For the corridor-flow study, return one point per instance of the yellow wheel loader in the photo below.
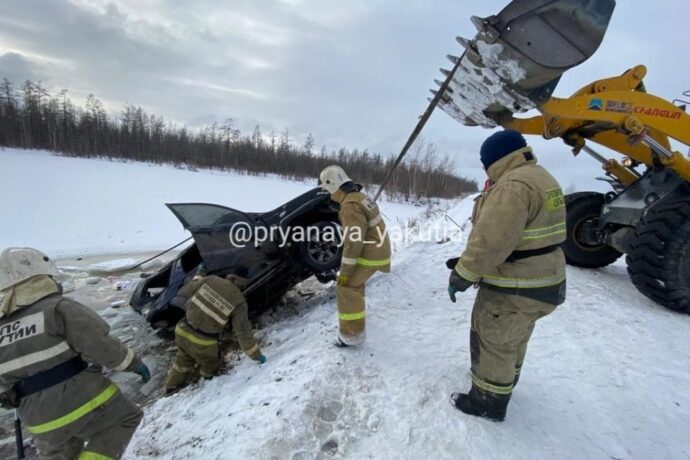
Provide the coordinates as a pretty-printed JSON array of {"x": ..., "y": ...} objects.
[{"x": 513, "y": 65}]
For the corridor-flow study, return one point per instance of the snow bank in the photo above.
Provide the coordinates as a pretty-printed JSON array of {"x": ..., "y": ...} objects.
[
  {"x": 77, "y": 207},
  {"x": 605, "y": 377}
]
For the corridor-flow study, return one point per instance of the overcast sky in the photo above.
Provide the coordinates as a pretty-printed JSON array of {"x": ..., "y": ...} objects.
[{"x": 355, "y": 73}]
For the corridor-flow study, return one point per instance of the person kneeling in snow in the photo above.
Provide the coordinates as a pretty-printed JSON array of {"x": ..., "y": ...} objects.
[{"x": 210, "y": 303}]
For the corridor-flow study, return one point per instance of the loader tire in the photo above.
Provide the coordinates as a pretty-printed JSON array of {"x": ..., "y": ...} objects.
[
  {"x": 582, "y": 210},
  {"x": 659, "y": 258}
]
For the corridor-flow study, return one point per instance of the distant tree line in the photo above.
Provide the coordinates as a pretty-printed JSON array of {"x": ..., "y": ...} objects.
[{"x": 33, "y": 118}]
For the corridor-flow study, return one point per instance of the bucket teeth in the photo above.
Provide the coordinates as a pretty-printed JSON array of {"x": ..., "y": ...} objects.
[
  {"x": 464, "y": 42},
  {"x": 479, "y": 23},
  {"x": 445, "y": 98},
  {"x": 440, "y": 83},
  {"x": 500, "y": 71}
]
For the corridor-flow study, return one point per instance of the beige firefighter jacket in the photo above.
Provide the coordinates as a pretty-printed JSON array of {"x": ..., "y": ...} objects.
[
  {"x": 212, "y": 303},
  {"x": 47, "y": 333},
  {"x": 523, "y": 210},
  {"x": 365, "y": 239}
]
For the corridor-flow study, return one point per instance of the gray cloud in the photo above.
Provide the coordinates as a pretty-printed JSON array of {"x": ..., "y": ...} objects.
[
  {"x": 17, "y": 67},
  {"x": 352, "y": 73}
]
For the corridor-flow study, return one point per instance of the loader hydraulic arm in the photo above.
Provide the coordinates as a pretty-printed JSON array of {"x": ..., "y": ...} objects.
[
  {"x": 619, "y": 114},
  {"x": 513, "y": 66}
]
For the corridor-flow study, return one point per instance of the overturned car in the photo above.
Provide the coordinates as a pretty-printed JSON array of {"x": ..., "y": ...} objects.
[{"x": 279, "y": 248}]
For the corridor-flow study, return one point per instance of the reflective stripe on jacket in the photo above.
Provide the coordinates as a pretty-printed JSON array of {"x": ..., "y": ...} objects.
[
  {"x": 213, "y": 302},
  {"x": 48, "y": 333},
  {"x": 524, "y": 210},
  {"x": 365, "y": 238}
]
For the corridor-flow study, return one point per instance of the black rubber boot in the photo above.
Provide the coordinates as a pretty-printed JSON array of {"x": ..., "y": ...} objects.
[
  {"x": 462, "y": 402},
  {"x": 482, "y": 404},
  {"x": 340, "y": 344}
]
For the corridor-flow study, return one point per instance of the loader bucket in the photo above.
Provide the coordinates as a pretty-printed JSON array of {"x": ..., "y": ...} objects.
[{"x": 517, "y": 57}]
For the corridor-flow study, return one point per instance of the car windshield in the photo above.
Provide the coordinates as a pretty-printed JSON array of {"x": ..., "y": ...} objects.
[{"x": 202, "y": 214}]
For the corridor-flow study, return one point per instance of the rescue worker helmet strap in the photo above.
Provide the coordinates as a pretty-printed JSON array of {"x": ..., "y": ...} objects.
[
  {"x": 19, "y": 264},
  {"x": 332, "y": 177}
]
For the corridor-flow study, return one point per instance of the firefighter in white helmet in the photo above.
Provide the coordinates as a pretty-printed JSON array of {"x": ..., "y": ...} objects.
[
  {"x": 52, "y": 351},
  {"x": 366, "y": 250}
]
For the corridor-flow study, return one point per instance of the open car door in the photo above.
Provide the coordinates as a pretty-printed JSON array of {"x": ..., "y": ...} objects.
[{"x": 224, "y": 237}]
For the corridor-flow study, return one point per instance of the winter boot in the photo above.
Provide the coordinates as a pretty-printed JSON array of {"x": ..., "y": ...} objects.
[
  {"x": 339, "y": 343},
  {"x": 482, "y": 404},
  {"x": 171, "y": 391},
  {"x": 346, "y": 341}
]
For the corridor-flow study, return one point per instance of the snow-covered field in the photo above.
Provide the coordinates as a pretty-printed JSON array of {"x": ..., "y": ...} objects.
[
  {"x": 76, "y": 207},
  {"x": 606, "y": 375}
]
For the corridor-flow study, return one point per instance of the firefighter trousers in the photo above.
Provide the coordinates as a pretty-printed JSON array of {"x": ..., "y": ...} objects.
[
  {"x": 351, "y": 306},
  {"x": 502, "y": 325},
  {"x": 102, "y": 434},
  {"x": 194, "y": 351}
]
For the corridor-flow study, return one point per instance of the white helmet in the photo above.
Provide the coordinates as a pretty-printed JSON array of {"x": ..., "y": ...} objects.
[
  {"x": 20, "y": 264},
  {"x": 332, "y": 177}
]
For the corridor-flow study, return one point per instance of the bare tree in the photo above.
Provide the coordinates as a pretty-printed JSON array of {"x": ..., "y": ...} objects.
[{"x": 32, "y": 118}]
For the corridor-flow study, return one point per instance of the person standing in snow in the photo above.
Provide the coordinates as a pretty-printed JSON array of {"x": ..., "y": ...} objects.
[
  {"x": 52, "y": 351},
  {"x": 366, "y": 250},
  {"x": 513, "y": 254},
  {"x": 210, "y": 303}
]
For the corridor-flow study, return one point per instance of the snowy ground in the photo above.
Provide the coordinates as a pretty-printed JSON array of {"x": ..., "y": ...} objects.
[
  {"x": 606, "y": 375},
  {"x": 606, "y": 378}
]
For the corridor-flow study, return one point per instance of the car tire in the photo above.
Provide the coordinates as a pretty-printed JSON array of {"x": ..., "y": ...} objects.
[
  {"x": 140, "y": 297},
  {"x": 321, "y": 250}
]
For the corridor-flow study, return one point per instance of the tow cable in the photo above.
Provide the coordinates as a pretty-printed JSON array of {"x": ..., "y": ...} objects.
[{"x": 134, "y": 267}]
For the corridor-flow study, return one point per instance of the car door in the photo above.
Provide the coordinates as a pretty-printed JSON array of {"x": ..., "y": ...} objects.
[{"x": 224, "y": 236}]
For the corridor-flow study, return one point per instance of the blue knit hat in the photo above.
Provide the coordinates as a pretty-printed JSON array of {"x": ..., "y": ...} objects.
[{"x": 499, "y": 145}]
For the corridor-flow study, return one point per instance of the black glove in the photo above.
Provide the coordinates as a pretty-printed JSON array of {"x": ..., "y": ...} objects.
[{"x": 457, "y": 283}]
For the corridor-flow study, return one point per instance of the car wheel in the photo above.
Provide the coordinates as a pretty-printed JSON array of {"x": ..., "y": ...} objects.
[{"x": 321, "y": 250}]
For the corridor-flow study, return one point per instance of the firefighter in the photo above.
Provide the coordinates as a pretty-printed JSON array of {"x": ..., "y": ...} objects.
[
  {"x": 514, "y": 256},
  {"x": 366, "y": 250},
  {"x": 210, "y": 303},
  {"x": 52, "y": 351}
]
